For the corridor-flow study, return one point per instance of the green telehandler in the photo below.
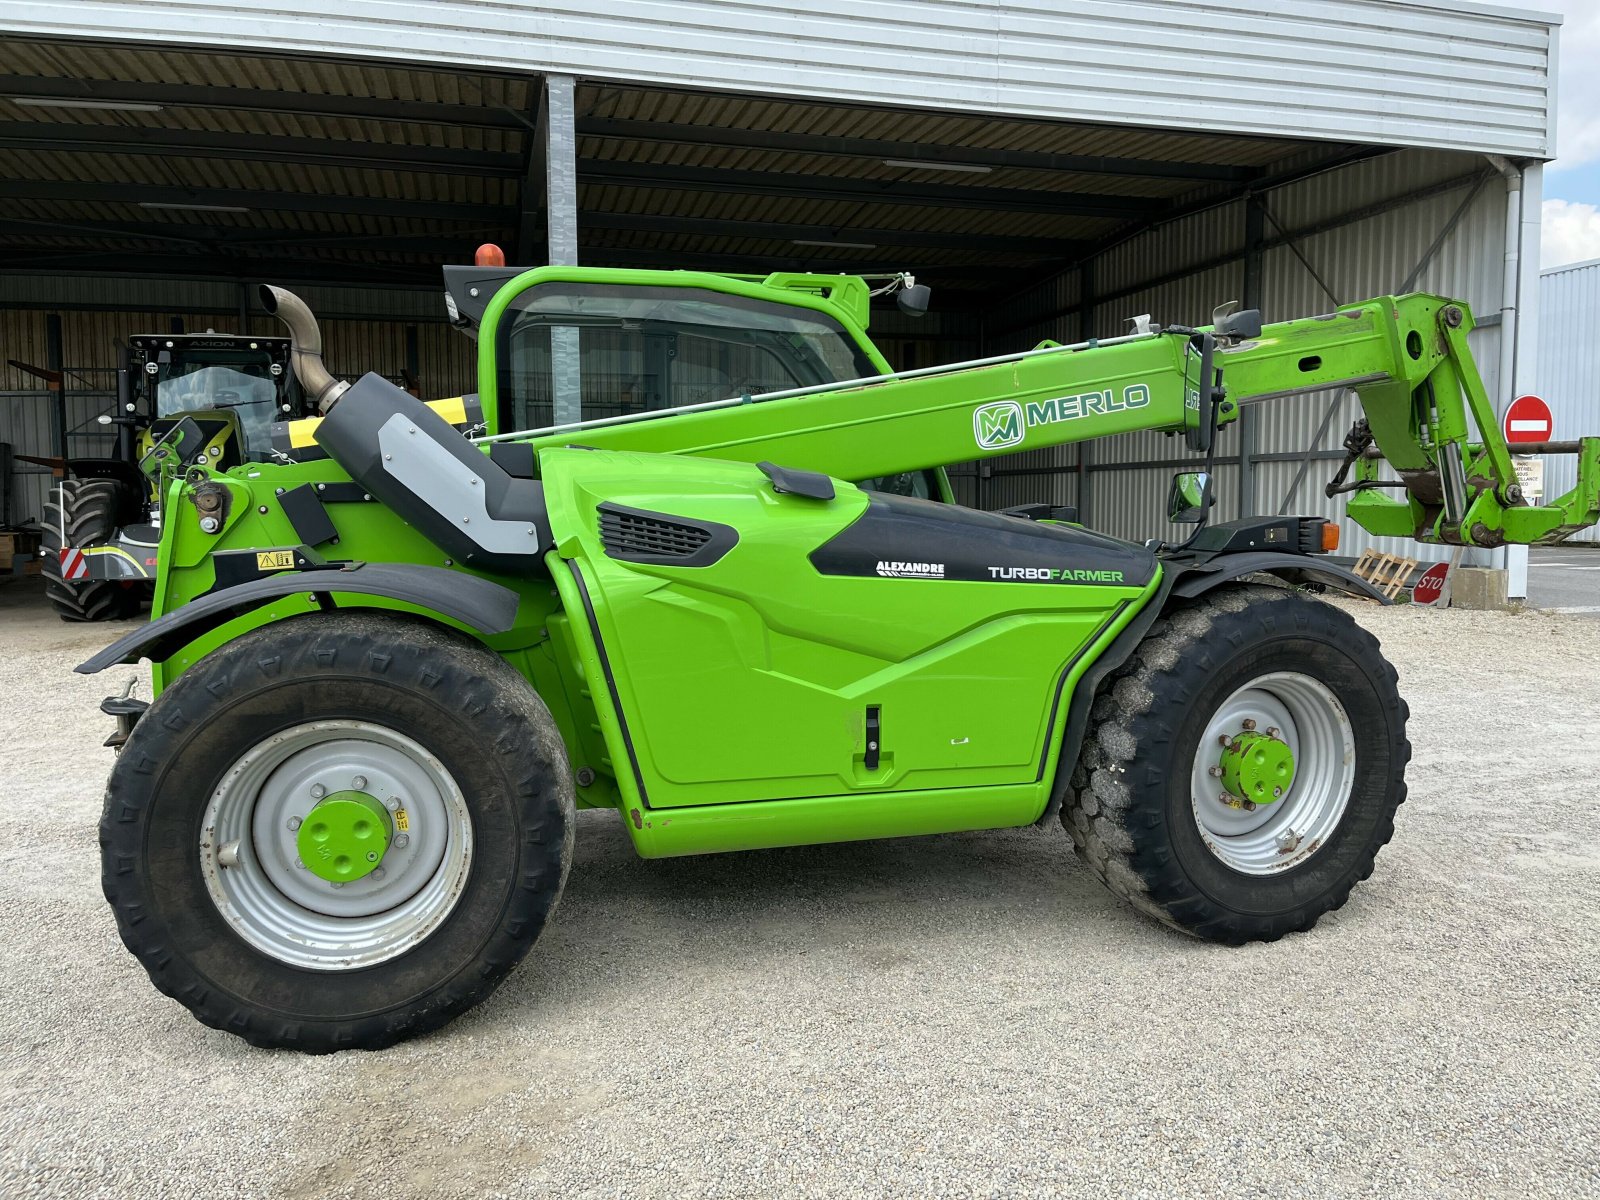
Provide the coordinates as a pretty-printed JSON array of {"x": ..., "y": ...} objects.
[{"x": 735, "y": 603}]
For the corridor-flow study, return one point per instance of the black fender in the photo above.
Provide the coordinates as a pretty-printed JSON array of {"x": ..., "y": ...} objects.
[
  {"x": 480, "y": 604},
  {"x": 1186, "y": 577},
  {"x": 1196, "y": 577}
]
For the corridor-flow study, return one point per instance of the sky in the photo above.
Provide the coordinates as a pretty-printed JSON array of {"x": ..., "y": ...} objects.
[{"x": 1570, "y": 224}]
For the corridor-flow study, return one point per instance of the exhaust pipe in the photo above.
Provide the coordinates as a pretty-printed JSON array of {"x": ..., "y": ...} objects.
[{"x": 305, "y": 346}]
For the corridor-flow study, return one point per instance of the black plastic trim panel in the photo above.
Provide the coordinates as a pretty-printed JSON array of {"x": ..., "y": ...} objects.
[
  {"x": 810, "y": 484},
  {"x": 903, "y": 537},
  {"x": 611, "y": 681},
  {"x": 310, "y": 520},
  {"x": 437, "y": 501},
  {"x": 698, "y": 543}
]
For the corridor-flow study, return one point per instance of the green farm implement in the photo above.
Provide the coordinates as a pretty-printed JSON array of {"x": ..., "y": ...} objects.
[{"x": 734, "y": 603}]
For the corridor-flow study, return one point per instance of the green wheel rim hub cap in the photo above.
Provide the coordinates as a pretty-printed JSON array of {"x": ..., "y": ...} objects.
[
  {"x": 1257, "y": 767},
  {"x": 344, "y": 837}
]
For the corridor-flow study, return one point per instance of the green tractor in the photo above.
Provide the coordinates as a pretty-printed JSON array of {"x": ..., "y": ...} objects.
[
  {"x": 734, "y": 603},
  {"x": 102, "y": 521}
]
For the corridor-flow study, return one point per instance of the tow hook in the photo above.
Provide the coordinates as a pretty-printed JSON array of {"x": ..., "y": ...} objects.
[{"x": 127, "y": 709}]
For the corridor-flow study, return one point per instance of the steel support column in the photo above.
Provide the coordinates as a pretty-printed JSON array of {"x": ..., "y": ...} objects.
[
  {"x": 54, "y": 358},
  {"x": 560, "y": 127},
  {"x": 1254, "y": 234},
  {"x": 1524, "y": 371},
  {"x": 1086, "y": 449}
]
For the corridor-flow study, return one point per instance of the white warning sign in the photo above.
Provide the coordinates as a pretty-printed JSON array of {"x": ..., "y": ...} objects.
[{"x": 1530, "y": 474}]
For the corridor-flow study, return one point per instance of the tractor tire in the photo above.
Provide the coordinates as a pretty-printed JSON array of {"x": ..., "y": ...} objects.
[
  {"x": 203, "y": 848},
  {"x": 1148, "y": 812},
  {"x": 86, "y": 509}
]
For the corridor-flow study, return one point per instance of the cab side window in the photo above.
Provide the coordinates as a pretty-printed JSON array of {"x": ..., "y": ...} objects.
[{"x": 605, "y": 350}]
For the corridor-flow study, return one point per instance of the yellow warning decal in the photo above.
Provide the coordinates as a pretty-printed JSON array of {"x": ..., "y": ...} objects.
[
  {"x": 401, "y": 821},
  {"x": 274, "y": 560}
]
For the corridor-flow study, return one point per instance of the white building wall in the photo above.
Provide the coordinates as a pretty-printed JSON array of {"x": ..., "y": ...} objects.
[
  {"x": 1569, "y": 367},
  {"x": 1443, "y": 73}
]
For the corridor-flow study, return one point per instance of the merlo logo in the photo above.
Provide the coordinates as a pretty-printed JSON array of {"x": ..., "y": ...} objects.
[{"x": 997, "y": 424}]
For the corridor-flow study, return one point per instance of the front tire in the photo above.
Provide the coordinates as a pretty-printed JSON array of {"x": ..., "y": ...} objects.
[
  {"x": 85, "y": 511},
  {"x": 1154, "y": 810},
  {"x": 422, "y": 734}
]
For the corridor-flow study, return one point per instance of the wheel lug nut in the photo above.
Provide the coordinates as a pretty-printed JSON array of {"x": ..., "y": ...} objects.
[
  {"x": 1249, "y": 806},
  {"x": 1273, "y": 731},
  {"x": 338, "y": 885},
  {"x": 377, "y": 873},
  {"x": 359, "y": 782},
  {"x": 402, "y": 840},
  {"x": 1249, "y": 723},
  {"x": 1225, "y": 740},
  {"x": 299, "y": 864},
  {"x": 1214, "y": 772},
  {"x": 392, "y": 803},
  {"x": 318, "y": 791},
  {"x": 294, "y": 823}
]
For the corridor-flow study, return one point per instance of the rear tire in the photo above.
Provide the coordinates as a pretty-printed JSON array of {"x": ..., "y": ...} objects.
[
  {"x": 207, "y": 885},
  {"x": 87, "y": 510},
  {"x": 1146, "y": 815}
]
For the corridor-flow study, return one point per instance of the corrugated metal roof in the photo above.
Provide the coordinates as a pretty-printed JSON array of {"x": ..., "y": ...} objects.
[
  {"x": 782, "y": 114},
  {"x": 88, "y": 60},
  {"x": 416, "y": 165}
]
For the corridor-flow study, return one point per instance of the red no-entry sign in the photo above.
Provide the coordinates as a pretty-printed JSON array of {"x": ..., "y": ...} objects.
[
  {"x": 1529, "y": 420},
  {"x": 1431, "y": 586}
]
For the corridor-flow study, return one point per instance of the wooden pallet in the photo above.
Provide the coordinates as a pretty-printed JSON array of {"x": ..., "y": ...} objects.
[{"x": 1389, "y": 573}]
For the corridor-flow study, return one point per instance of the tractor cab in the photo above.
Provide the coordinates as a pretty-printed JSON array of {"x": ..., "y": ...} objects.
[
  {"x": 234, "y": 387},
  {"x": 620, "y": 345}
]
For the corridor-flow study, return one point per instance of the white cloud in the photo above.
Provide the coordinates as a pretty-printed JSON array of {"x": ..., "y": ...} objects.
[
  {"x": 1578, "y": 104},
  {"x": 1569, "y": 232}
]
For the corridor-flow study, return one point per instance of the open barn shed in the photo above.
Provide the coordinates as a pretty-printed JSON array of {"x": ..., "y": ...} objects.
[{"x": 1050, "y": 170}]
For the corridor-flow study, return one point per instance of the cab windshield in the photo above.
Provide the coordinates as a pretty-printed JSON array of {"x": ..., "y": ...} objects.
[{"x": 238, "y": 381}]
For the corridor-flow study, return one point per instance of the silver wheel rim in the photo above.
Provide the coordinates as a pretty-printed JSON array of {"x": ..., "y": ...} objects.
[
  {"x": 1287, "y": 832},
  {"x": 249, "y": 858}
]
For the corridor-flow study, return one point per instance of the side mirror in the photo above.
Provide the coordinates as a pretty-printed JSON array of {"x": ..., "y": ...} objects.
[
  {"x": 913, "y": 300},
  {"x": 1190, "y": 498}
]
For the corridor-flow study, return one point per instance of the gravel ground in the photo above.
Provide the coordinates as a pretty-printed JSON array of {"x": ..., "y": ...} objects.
[{"x": 963, "y": 1015}]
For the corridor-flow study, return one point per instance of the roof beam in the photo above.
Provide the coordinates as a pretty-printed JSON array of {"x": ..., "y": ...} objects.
[
  {"x": 535, "y": 169},
  {"x": 750, "y": 264},
  {"x": 188, "y": 95},
  {"x": 1039, "y": 247},
  {"x": 138, "y": 193},
  {"x": 457, "y": 242},
  {"x": 888, "y": 191},
  {"x": 222, "y": 266},
  {"x": 873, "y": 148},
  {"x": 61, "y": 136}
]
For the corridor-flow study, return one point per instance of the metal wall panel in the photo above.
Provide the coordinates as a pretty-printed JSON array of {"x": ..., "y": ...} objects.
[
  {"x": 1466, "y": 75},
  {"x": 1569, "y": 366},
  {"x": 1371, "y": 257},
  {"x": 447, "y": 362},
  {"x": 1376, "y": 220}
]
